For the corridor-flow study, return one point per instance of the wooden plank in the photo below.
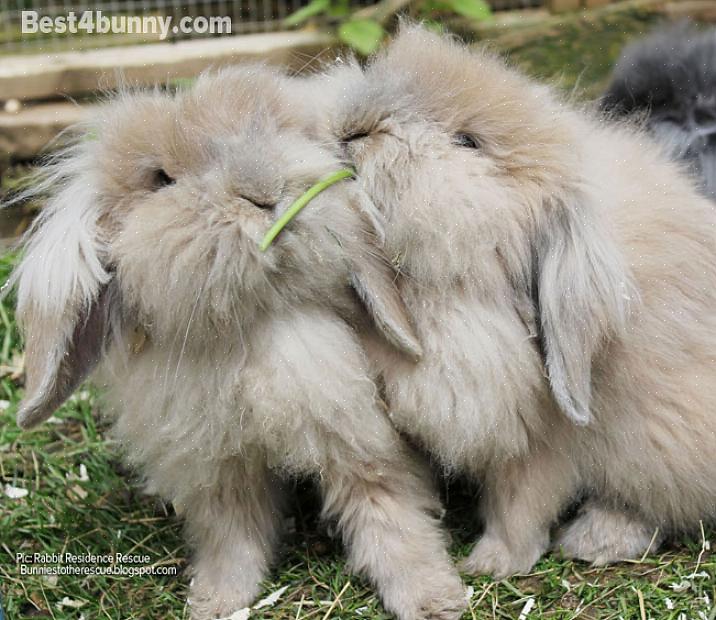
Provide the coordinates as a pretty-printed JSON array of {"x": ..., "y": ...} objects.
[
  {"x": 700, "y": 10},
  {"x": 72, "y": 73},
  {"x": 562, "y": 6},
  {"x": 26, "y": 133}
]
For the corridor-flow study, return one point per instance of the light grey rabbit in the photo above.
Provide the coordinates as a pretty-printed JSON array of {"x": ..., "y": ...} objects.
[
  {"x": 228, "y": 368},
  {"x": 561, "y": 274}
]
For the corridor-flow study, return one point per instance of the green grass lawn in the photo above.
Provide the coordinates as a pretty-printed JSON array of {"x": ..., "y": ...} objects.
[
  {"x": 577, "y": 54},
  {"x": 79, "y": 499}
]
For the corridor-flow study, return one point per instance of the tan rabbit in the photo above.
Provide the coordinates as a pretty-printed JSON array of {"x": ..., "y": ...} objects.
[
  {"x": 228, "y": 368},
  {"x": 561, "y": 273}
]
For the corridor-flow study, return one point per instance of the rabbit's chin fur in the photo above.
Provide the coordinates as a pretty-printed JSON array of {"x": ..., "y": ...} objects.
[
  {"x": 560, "y": 271},
  {"x": 227, "y": 369}
]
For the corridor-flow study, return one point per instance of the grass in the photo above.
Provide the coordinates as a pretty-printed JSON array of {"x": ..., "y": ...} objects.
[
  {"x": 107, "y": 513},
  {"x": 579, "y": 53}
]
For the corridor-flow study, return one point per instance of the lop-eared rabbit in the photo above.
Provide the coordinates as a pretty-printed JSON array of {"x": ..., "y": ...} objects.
[
  {"x": 228, "y": 368},
  {"x": 561, "y": 275}
]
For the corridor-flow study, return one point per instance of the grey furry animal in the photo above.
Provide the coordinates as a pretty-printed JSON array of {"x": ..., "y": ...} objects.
[
  {"x": 560, "y": 272},
  {"x": 226, "y": 368},
  {"x": 669, "y": 79}
]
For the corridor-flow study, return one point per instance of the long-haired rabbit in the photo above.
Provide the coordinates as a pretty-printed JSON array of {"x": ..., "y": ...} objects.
[
  {"x": 226, "y": 367},
  {"x": 561, "y": 274},
  {"x": 669, "y": 78}
]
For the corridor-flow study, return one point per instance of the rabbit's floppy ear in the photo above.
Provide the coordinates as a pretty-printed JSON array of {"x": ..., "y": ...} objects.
[
  {"x": 581, "y": 291},
  {"x": 373, "y": 278},
  {"x": 64, "y": 296},
  {"x": 56, "y": 362}
]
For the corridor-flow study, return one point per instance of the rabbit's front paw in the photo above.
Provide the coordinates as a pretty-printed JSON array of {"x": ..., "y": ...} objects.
[
  {"x": 219, "y": 598},
  {"x": 602, "y": 536},
  {"x": 492, "y": 556},
  {"x": 429, "y": 596}
]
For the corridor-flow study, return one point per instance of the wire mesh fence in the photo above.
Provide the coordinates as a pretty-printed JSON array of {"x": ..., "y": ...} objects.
[
  {"x": 101, "y": 23},
  {"x": 119, "y": 22},
  {"x": 512, "y": 5}
]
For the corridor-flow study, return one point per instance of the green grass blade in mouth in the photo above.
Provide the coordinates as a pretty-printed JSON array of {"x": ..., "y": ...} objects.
[{"x": 301, "y": 202}]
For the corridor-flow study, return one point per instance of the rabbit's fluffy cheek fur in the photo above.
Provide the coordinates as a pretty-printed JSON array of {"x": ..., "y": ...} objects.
[
  {"x": 442, "y": 392},
  {"x": 445, "y": 244},
  {"x": 255, "y": 406},
  {"x": 167, "y": 251}
]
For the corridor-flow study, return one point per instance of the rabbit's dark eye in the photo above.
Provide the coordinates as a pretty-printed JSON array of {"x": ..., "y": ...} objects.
[
  {"x": 162, "y": 179},
  {"x": 260, "y": 203},
  {"x": 358, "y": 135},
  {"x": 466, "y": 140}
]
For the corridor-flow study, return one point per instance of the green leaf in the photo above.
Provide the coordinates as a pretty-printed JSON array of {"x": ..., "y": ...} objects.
[
  {"x": 435, "y": 26},
  {"x": 363, "y": 35},
  {"x": 339, "y": 9},
  {"x": 315, "y": 7},
  {"x": 429, "y": 7},
  {"x": 474, "y": 9},
  {"x": 338, "y": 12}
]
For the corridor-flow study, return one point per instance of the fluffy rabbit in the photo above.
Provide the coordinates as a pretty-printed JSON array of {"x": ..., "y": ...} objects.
[
  {"x": 227, "y": 368},
  {"x": 561, "y": 273},
  {"x": 670, "y": 78}
]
